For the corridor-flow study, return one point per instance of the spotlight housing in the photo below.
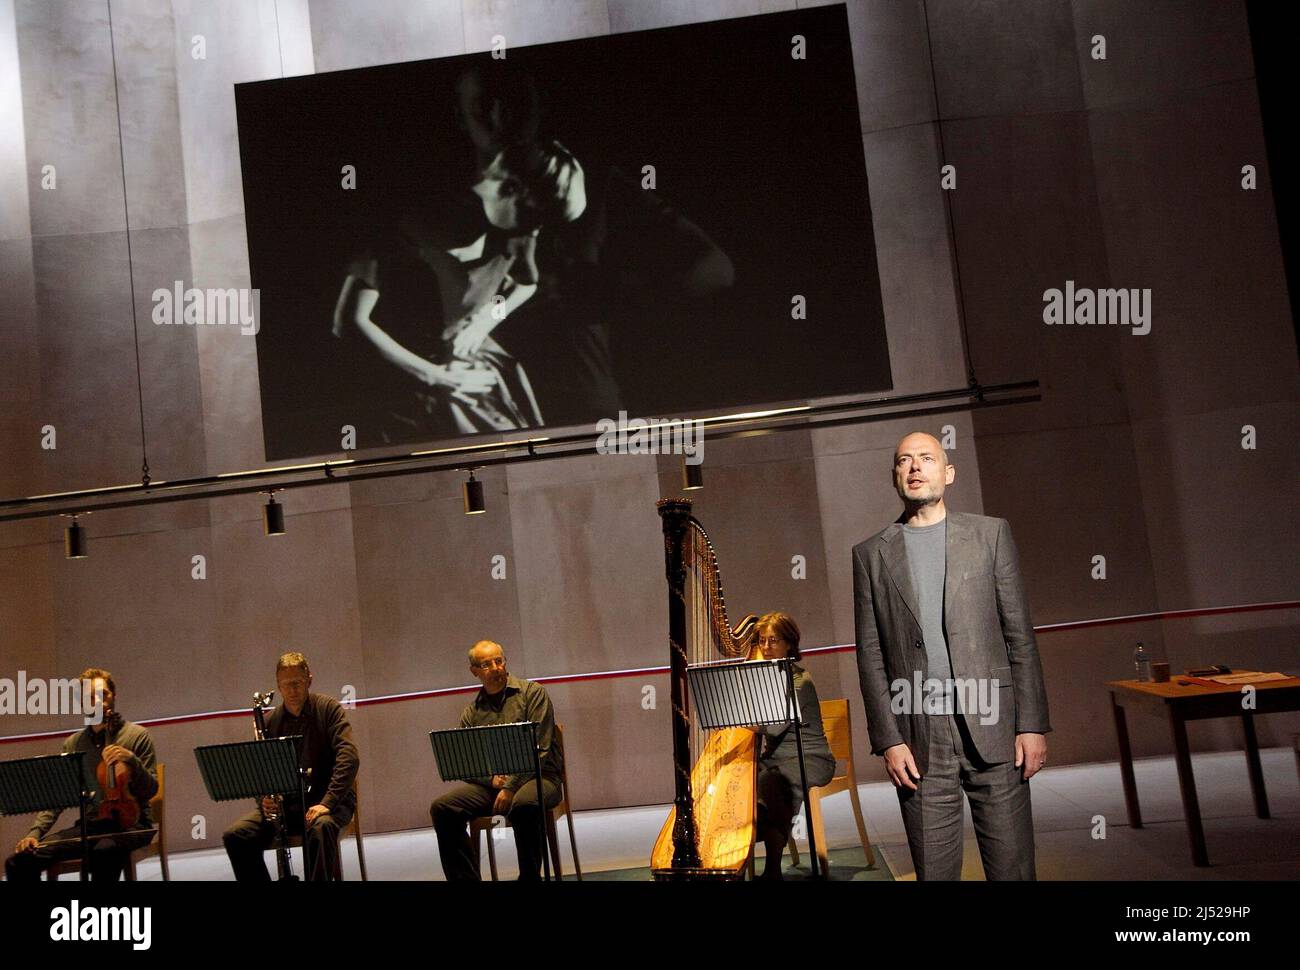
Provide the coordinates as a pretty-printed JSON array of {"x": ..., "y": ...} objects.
[
  {"x": 273, "y": 517},
  {"x": 692, "y": 476},
  {"x": 74, "y": 541},
  {"x": 473, "y": 492}
]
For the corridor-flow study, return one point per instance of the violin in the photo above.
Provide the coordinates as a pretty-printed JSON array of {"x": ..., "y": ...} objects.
[{"x": 117, "y": 802}]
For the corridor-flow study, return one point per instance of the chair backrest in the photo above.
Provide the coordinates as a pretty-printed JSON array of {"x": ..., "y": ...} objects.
[{"x": 839, "y": 730}]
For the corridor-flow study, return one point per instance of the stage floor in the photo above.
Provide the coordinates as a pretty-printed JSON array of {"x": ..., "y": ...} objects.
[{"x": 614, "y": 844}]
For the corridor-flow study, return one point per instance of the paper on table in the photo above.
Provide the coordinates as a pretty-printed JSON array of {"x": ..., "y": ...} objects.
[{"x": 1245, "y": 677}]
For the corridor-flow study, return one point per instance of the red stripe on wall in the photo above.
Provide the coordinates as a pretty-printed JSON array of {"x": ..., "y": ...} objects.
[{"x": 656, "y": 671}]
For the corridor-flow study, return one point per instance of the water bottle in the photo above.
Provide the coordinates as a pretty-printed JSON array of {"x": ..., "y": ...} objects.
[{"x": 1142, "y": 663}]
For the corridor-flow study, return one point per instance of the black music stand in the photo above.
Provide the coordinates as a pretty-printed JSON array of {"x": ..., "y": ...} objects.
[
  {"x": 466, "y": 754},
  {"x": 252, "y": 769},
  {"x": 50, "y": 782},
  {"x": 752, "y": 693}
]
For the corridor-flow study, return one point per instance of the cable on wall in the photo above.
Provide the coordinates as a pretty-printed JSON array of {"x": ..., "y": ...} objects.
[
  {"x": 947, "y": 204},
  {"x": 130, "y": 262}
]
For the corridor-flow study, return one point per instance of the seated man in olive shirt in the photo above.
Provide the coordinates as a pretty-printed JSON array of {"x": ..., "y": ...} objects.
[
  {"x": 503, "y": 699},
  {"x": 328, "y": 751},
  {"x": 114, "y": 741}
]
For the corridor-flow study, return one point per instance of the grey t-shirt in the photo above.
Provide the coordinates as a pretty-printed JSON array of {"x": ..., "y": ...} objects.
[{"x": 926, "y": 547}]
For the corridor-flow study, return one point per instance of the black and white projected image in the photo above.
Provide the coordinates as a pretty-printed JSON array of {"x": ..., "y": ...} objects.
[{"x": 659, "y": 223}]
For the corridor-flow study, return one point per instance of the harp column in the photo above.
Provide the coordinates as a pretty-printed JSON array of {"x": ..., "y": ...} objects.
[{"x": 676, "y": 514}]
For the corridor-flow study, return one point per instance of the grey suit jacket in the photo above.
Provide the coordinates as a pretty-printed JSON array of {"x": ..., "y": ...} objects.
[{"x": 987, "y": 624}]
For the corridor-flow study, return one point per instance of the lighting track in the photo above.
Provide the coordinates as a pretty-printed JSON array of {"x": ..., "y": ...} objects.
[{"x": 508, "y": 452}]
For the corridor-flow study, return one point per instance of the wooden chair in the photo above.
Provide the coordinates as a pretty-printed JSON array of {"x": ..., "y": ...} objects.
[
  {"x": 839, "y": 735},
  {"x": 353, "y": 827},
  {"x": 158, "y": 847},
  {"x": 479, "y": 825}
]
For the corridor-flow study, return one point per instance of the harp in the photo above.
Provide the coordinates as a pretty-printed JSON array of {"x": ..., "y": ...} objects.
[{"x": 710, "y": 832}]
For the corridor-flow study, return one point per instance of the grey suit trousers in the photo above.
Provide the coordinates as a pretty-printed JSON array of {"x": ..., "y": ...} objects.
[{"x": 999, "y": 807}]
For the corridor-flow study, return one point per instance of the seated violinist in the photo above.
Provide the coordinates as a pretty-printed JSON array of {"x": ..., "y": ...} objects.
[
  {"x": 126, "y": 752},
  {"x": 780, "y": 791}
]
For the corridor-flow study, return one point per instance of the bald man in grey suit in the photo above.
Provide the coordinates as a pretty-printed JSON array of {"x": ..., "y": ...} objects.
[{"x": 950, "y": 673}]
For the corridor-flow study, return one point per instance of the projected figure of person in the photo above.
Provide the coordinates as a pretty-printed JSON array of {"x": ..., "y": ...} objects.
[
  {"x": 566, "y": 252},
  {"x": 631, "y": 268},
  {"x": 633, "y": 271},
  {"x": 465, "y": 381}
]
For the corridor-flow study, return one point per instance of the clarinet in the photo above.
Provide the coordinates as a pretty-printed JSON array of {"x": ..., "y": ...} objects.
[{"x": 283, "y": 861}]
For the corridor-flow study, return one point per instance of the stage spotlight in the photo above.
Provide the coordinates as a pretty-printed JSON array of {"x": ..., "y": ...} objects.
[
  {"x": 74, "y": 541},
  {"x": 473, "y": 489},
  {"x": 273, "y": 517},
  {"x": 692, "y": 476}
]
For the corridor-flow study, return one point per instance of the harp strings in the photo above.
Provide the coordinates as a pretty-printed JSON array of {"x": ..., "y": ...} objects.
[{"x": 705, "y": 614}]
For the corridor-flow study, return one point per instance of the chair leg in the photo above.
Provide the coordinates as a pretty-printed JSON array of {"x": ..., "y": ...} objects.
[
  {"x": 553, "y": 846},
  {"x": 128, "y": 873},
  {"x": 794, "y": 852},
  {"x": 492, "y": 851},
  {"x": 818, "y": 822},
  {"x": 573, "y": 844},
  {"x": 361, "y": 855},
  {"x": 857, "y": 815}
]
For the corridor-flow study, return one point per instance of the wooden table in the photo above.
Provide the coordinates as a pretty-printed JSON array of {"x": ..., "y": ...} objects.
[{"x": 1189, "y": 701}]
